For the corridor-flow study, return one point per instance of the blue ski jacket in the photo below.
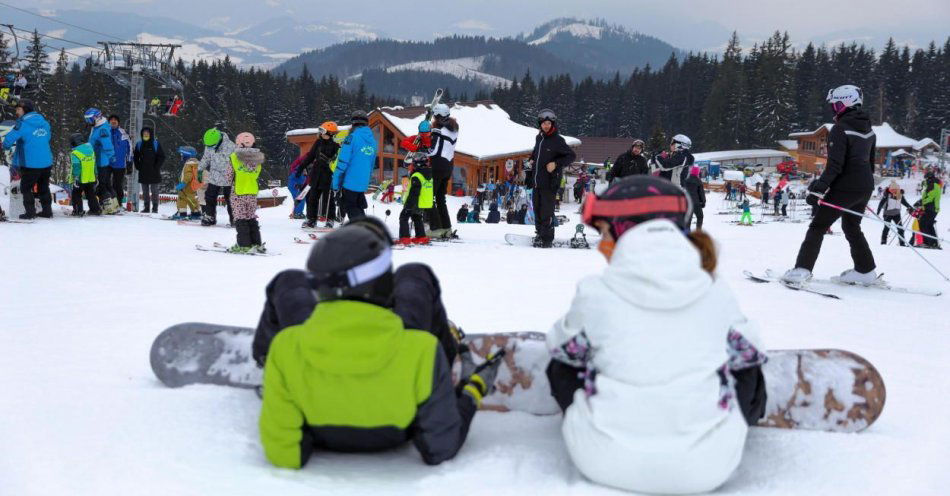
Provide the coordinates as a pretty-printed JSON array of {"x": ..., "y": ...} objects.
[
  {"x": 122, "y": 146},
  {"x": 355, "y": 161},
  {"x": 101, "y": 140},
  {"x": 31, "y": 136}
]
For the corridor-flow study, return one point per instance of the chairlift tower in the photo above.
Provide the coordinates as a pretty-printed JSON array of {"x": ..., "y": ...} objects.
[
  {"x": 129, "y": 64},
  {"x": 944, "y": 144}
]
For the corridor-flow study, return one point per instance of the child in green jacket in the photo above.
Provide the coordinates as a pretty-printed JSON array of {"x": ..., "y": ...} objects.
[{"x": 83, "y": 175}]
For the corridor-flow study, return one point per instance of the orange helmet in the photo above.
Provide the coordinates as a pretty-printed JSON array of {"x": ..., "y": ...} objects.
[{"x": 329, "y": 126}]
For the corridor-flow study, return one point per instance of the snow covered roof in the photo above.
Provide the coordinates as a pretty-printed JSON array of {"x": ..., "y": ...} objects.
[
  {"x": 739, "y": 155},
  {"x": 485, "y": 130},
  {"x": 309, "y": 130},
  {"x": 790, "y": 145},
  {"x": 926, "y": 143},
  {"x": 809, "y": 133},
  {"x": 887, "y": 137},
  {"x": 899, "y": 152}
]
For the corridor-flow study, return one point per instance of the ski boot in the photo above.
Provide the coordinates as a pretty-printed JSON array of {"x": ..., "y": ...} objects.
[
  {"x": 308, "y": 224},
  {"x": 195, "y": 216},
  {"x": 179, "y": 216},
  {"x": 27, "y": 216},
  {"x": 404, "y": 241},
  {"x": 207, "y": 220},
  {"x": 852, "y": 276},
  {"x": 422, "y": 240},
  {"x": 259, "y": 248},
  {"x": 78, "y": 213},
  {"x": 243, "y": 250},
  {"x": 797, "y": 276}
]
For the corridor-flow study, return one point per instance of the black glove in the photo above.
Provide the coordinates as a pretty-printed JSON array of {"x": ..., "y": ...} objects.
[
  {"x": 479, "y": 380},
  {"x": 816, "y": 191}
]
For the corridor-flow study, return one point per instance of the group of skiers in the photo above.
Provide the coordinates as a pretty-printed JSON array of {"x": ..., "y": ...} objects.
[{"x": 12, "y": 86}]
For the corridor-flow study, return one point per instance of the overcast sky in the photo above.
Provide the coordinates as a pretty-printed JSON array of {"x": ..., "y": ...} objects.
[{"x": 690, "y": 24}]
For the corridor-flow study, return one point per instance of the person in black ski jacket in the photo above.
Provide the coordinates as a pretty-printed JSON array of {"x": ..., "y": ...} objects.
[
  {"x": 462, "y": 215},
  {"x": 694, "y": 187},
  {"x": 148, "y": 158},
  {"x": 316, "y": 163},
  {"x": 494, "y": 215},
  {"x": 551, "y": 155},
  {"x": 674, "y": 165},
  {"x": 891, "y": 202},
  {"x": 629, "y": 163},
  {"x": 848, "y": 181}
]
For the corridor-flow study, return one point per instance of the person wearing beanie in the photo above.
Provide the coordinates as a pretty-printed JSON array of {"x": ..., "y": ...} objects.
[
  {"x": 247, "y": 163},
  {"x": 655, "y": 366},
  {"x": 32, "y": 157},
  {"x": 362, "y": 370},
  {"x": 891, "y": 201},
  {"x": 694, "y": 186},
  {"x": 148, "y": 158}
]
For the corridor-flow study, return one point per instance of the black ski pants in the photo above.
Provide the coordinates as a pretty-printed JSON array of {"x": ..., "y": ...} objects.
[
  {"x": 76, "y": 199},
  {"x": 850, "y": 224},
  {"x": 211, "y": 201},
  {"x": 118, "y": 184},
  {"x": 320, "y": 203},
  {"x": 353, "y": 204},
  {"x": 543, "y": 201},
  {"x": 439, "y": 216},
  {"x": 699, "y": 219},
  {"x": 750, "y": 388},
  {"x": 38, "y": 178},
  {"x": 928, "y": 226},
  {"x": 104, "y": 187},
  {"x": 896, "y": 219},
  {"x": 290, "y": 300},
  {"x": 415, "y": 215}
]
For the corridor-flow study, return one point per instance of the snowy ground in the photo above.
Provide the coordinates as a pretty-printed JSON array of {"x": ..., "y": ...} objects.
[{"x": 82, "y": 413}]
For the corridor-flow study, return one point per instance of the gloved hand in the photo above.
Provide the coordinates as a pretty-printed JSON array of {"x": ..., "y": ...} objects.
[
  {"x": 179, "y": 186},
  {"x": 478, "y": 381},
  {"x": 816, "y": 191}
]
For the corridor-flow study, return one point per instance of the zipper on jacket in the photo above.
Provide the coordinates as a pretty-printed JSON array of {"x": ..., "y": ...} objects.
[{"x": 537, "y": 159}]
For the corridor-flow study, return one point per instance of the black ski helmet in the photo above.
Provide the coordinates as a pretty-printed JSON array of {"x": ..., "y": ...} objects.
[
  {"x": 353, "y": 263},
  {"x": 636, "y": 199},
  {"x": 76, "y": 139},
  {"x": 547, "y": 115},
  {"x": 359, "y": 117}
]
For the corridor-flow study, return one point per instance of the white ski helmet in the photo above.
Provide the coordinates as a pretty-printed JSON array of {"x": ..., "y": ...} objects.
[
  {"x": 682, "y": 142},
  {"x": 440, "y": 110},
  {"x": 844, "y": 97}
]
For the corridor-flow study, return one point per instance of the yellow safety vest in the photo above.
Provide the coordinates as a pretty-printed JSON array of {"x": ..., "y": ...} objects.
[
  {"x": 245, "y": 181},
  {"x": 87, "y": 166},
  {"x": 338, "y": 138},
  {"x": 426, "y": 194}
]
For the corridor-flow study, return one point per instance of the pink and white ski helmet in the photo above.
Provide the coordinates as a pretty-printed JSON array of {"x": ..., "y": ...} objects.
[{"x": 245, "y": 140}]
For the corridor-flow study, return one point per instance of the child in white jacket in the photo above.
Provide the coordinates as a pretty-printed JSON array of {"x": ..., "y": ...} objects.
[{"x": 655, "y": 366}]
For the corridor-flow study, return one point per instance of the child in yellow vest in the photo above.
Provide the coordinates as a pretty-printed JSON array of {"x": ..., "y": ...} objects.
[
  {"x": 246, "y": 165},
  {"x": 418, "y": 198},
  {"x": 187, "y": 187},
  {"x": 83, "y": 176}
]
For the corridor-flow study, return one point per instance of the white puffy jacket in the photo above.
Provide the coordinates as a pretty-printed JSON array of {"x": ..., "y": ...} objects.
[
  {"x": 653, "y": 326},
  {"x": 216, "y": 161}
]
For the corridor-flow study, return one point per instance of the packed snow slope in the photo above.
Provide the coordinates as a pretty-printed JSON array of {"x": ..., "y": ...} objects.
[{"x": 82, "y": 414}]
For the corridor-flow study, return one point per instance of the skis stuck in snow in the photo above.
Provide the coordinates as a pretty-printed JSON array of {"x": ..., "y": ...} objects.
[{"x": 825, "y": 390}]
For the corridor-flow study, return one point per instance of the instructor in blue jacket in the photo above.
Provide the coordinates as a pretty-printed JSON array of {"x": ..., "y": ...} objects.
[
  {"x": 32, "y": 157},
  {"x": 354, "y": 166}
]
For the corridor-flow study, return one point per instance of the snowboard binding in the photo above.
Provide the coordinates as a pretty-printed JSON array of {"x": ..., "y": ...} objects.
[{"x": 580, "y": 239}]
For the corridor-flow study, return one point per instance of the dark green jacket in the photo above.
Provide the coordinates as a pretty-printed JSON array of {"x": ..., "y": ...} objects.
[{"x": 352, "y": 379}]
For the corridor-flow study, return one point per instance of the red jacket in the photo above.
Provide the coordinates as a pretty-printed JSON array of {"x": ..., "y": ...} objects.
[{"x": 410, "y": 142}]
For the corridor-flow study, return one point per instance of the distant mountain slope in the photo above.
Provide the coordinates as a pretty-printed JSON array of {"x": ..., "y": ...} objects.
[{"x": 600, "y": 46}]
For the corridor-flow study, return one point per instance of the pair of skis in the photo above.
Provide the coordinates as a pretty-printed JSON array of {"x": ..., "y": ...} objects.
[
  {"x": 879, "y": 284},
  {"x": 221, "y": 248}
]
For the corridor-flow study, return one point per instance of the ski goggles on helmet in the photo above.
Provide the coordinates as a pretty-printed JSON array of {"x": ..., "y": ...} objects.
[
  {"x": 638, "y": 142},
  {"x": 546, "y": 115},
  {"x": 673, "y": 207},
  {"x": 838, "y": 107}
]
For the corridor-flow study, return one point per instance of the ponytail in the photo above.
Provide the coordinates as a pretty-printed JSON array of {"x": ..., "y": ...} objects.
[{"x": 707, "y": 250}]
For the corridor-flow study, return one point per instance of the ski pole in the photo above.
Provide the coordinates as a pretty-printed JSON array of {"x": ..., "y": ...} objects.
[
  {"x": 912, "y": 247},
  {"x": 821, "y": 201}
]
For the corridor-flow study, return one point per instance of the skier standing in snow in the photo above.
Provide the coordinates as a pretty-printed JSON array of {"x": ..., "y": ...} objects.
[
  {"x": 551, "y": 155},
  {"x": 148, "y": 158},
  {"x": 418, "y": 199},
  {"x": 673, "y": 165},
  {"x": 317, "y": 161},
  {"x": 694, "y": 187},
  {"x": 189, "y": 183},
  {"x": 246, "y": 165},
  {"x": 122, "y": 145},
  {"x": 356, "y": 375},
  {"x": 629, "y": 163},
  {"x": 445, "y": 132},
  {"x": 930, "y": 201},
  {"x": 216, "y": 164},
  {"x": 848, "y": 181},
  {"x": 32, "y": 157},
  {"x": 891, "y": 201},
  {"x": 657, "y": 369},
  {"x": 83, "y": 175},
  {"x": 101, "y": 140},
  {"x": 354, "y": 166}
]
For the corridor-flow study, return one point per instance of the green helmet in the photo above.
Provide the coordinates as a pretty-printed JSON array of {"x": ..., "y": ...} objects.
[{"x": 212, "y": 137}]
